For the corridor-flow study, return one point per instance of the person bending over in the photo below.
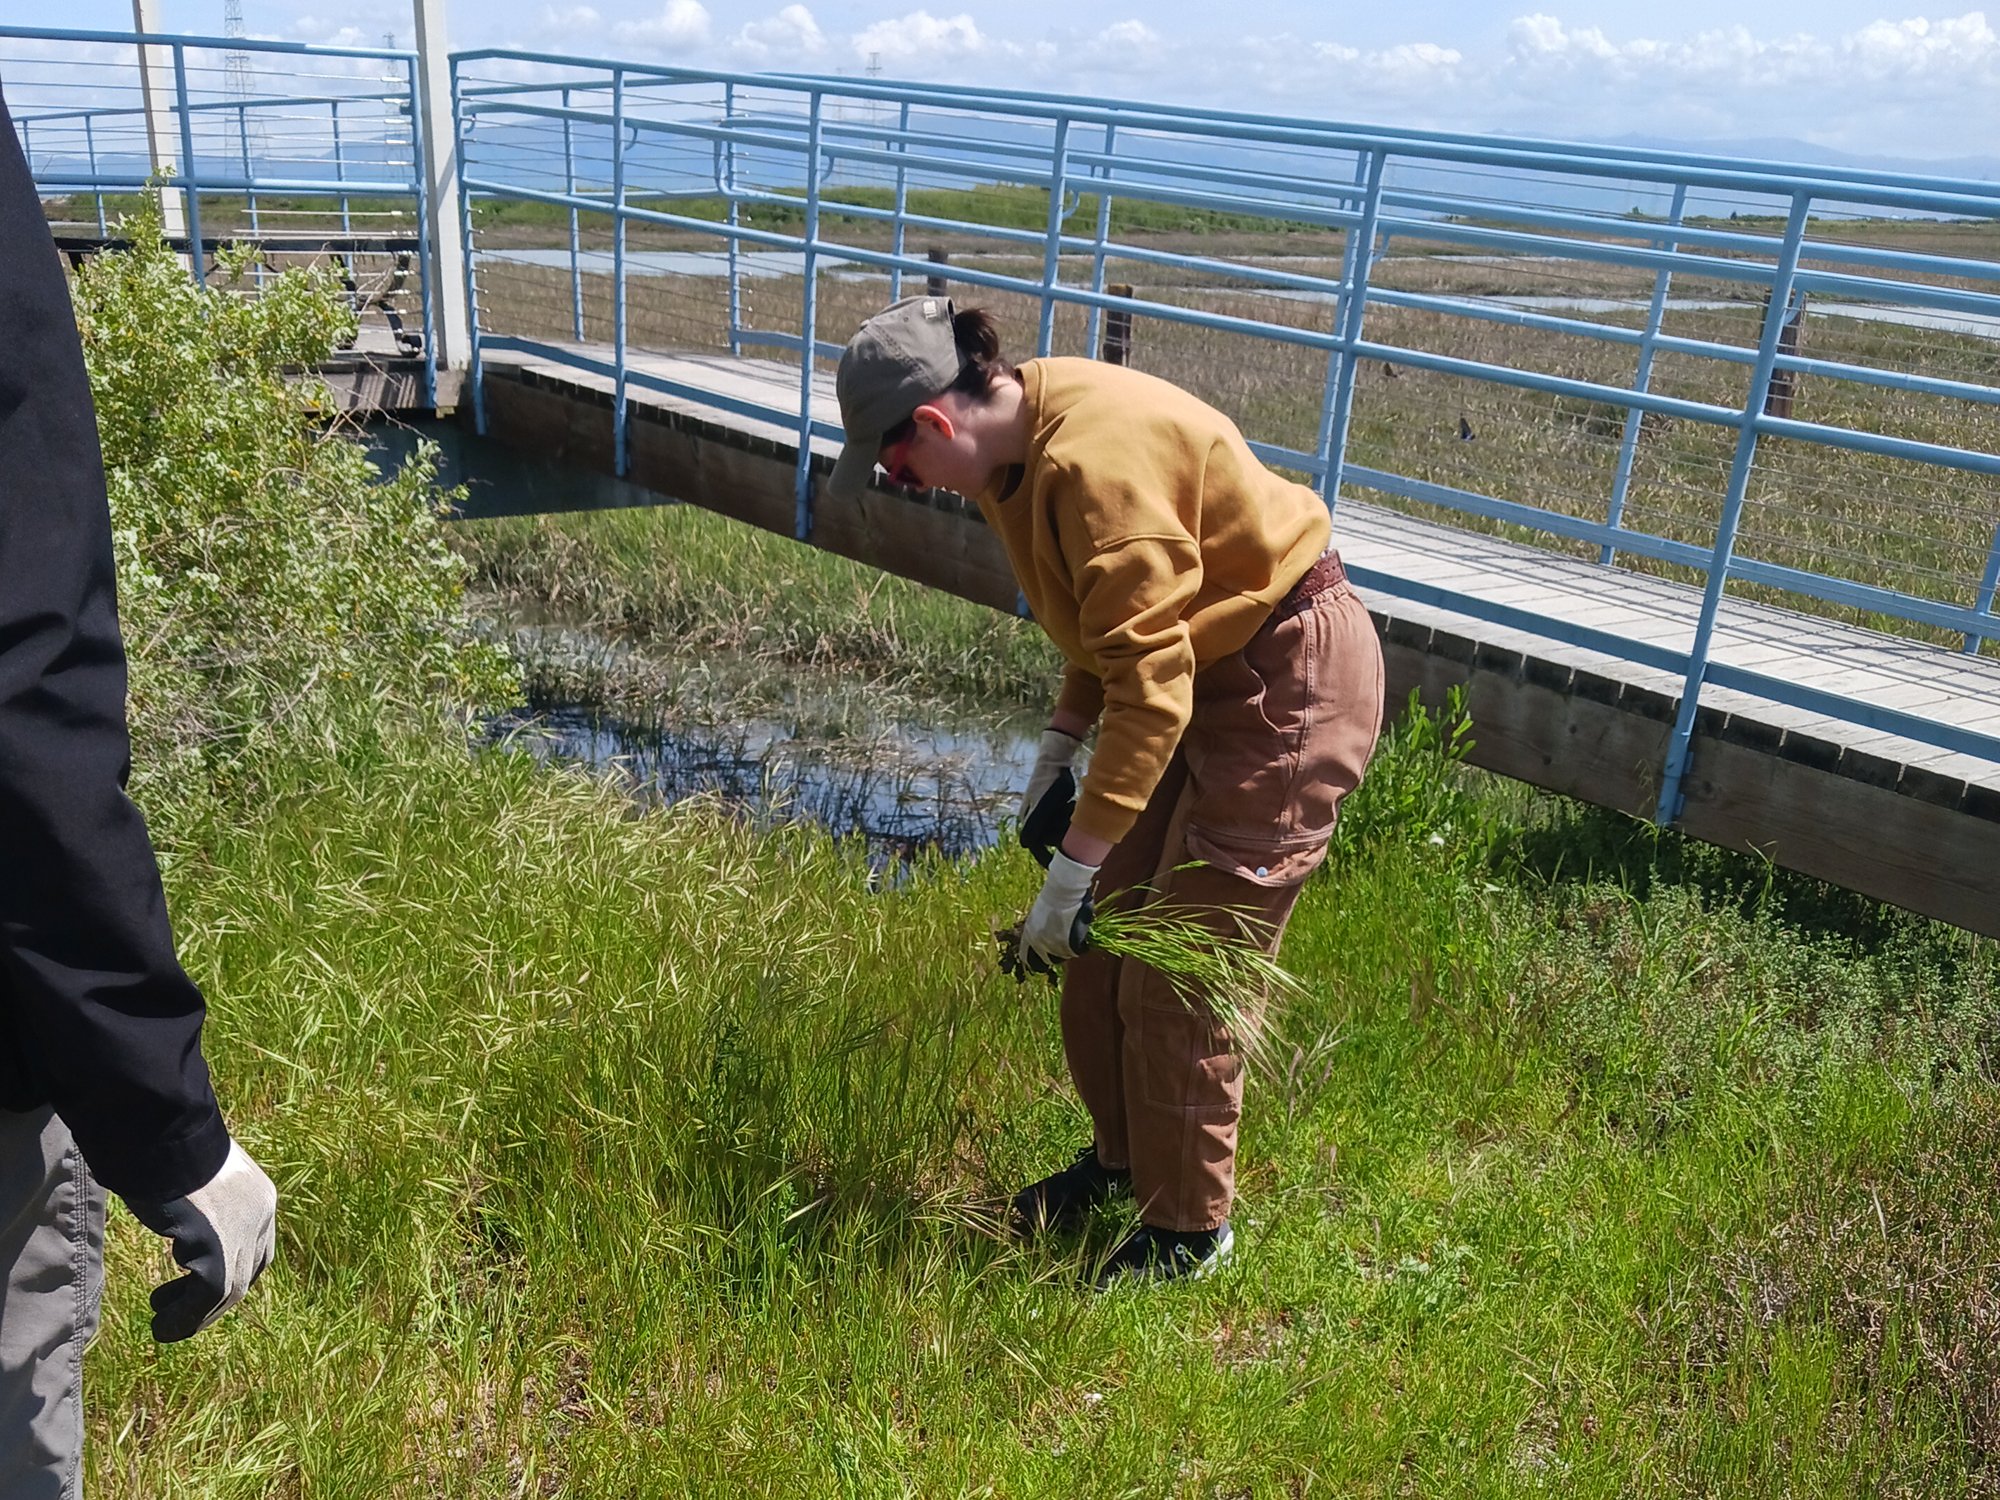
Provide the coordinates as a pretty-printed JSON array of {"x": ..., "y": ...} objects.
[{"x": 1234, "y": 679}]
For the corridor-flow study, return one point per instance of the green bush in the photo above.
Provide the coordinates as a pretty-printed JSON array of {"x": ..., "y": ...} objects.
[
  {"x": 280, "y": 595},
  {"x": 1418, "y": 790}
]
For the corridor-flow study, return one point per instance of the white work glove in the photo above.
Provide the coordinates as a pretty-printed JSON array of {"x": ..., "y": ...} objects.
[
  {"x": 1058, "y": 924},
  {"x": 1053, "y": 756},
  {"x": 224, "y": 1232}
]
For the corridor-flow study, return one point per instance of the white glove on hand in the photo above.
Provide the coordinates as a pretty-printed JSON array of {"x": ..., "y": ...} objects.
[
  {"x": 1051, "y": 931},
  {"x": 1055, "y": 753},
  {"x": 224, "y": 1232}
]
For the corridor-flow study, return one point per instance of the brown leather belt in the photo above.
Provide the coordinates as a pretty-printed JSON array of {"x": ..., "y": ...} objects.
[{"x": 1321, "y": 576}]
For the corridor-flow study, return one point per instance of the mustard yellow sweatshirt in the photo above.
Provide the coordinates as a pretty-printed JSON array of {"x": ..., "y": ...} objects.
[{"x": 1149, "y": 541}]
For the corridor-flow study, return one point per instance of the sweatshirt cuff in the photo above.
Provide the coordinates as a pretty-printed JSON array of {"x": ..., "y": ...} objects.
[{"x": 159, "y": 1171}]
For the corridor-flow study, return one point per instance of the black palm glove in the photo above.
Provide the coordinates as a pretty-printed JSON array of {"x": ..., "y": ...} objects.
[
  {"x": 1048, "y": 820},
  {"x": 224, "y": 1233}
]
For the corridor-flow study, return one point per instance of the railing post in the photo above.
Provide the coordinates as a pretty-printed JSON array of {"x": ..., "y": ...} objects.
[
  {"x": 1117, "y": 346},
  {"x": 902, "y": 202},
  {"x": 1672, "y": 795},
  {"x": 1052, "y": 247},
  {"x": 191, "y": 194},
  {"x": 1785, "y": 383},
  {"x": 153, "y": 62},
  {"x": 249, "y": 173},
  {"x": 90, "y": 146},
  {"x": 808, "y": 317},
  {"x": 575, "y": 239},
  {"x": 935, "y": 283},
  {"x": 437, "y": 147},
  {"x": 468, "y": 263},
  {"x": 1989, "y": 583},
  {"x": 341, "y": 171},
  {"x": 735, "y": 221},
  {"x": 340, "y": 168},
  {"x": 1097, "y": 256},
  {"x": 1360, "y": 259},
  {"x": 1628, "y": 447},
  {"x": 426, "y": 301},
  {"x": 619, "y": 451}
]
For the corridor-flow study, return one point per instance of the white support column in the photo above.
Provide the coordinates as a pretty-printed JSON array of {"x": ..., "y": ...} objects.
[
  {"x": 439, "y": 134},
  {"x": 163, "y": 126}
]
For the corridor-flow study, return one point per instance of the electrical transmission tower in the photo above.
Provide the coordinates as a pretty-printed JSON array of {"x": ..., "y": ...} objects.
[
  {"x": 249, "y": 135},
  {"x": 236, "y": 81},
  {"x": 235, "y": 63}
]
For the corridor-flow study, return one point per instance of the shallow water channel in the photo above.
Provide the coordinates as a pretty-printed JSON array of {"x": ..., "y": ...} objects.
[{"x": 773, "y": 743}]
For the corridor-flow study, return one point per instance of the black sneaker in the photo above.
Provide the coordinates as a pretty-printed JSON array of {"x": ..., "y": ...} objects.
[
  {"x": 1063, "y": 1200},
  {"x": 1150, "y": 1254}
]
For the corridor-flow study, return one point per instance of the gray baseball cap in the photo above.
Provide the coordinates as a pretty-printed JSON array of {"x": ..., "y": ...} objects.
[{"x": 902, "y": 357}]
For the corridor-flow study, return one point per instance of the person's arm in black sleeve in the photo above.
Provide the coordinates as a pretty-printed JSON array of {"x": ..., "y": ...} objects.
[{"x": 99, "y": 1017}]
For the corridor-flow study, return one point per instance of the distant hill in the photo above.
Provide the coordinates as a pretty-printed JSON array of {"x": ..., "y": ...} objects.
[{"x": 1785, "y": 149}]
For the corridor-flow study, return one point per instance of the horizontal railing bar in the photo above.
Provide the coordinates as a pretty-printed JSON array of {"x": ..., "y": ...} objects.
[
  {"x": 1564, "y": 632},
  {"x": 273, "y": 101},
  {"x": 1895, "y": 603},
  {"x": 1880, "y": 444},
  {"x": 1513, "y": 512},
  {"x": 1897, "y": 380},
  {"x": 1868, "y": 289},
  {"x": 327, "y": 187},
  {"x": 558, "y": 354},
  {"x": 1868, "y": 597},
  {"x": 1856, "y": 711},
  {"x": 202, "y": 43}
]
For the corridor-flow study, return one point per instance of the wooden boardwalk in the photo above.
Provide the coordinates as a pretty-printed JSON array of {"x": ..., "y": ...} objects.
[{"x": 1903, "y": 821}]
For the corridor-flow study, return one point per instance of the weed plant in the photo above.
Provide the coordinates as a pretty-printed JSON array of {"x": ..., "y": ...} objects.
[{"x": 278, "y": 594}]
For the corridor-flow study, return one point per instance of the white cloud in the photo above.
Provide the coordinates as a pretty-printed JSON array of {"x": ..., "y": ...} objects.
[
  {"x": 792, "y": 33},
  {"x": 1136, "y": 34},
  {"x": 924, "y": 37},
  {"x": 1965, "y": 43},
  {"x": 569, "y": 20},
  {"x": 683, "y": 23}
]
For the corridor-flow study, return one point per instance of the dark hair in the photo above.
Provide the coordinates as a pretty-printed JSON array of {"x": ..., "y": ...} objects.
[
  {"x": 980, "y": 364},
  {"x": 979, "y": 361}
]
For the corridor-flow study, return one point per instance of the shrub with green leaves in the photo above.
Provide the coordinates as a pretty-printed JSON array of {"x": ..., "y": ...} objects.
[{"x": 280, "y": 595}]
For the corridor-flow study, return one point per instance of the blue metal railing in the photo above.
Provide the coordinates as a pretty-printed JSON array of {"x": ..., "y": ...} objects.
[
  {"x": 1589, "y": 344},
  {"x": 314, "y": 128},
  {"x": 757, "y": 143}
]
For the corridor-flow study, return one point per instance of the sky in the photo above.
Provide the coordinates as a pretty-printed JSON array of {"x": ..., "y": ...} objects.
[{"x": 1861, "y": 77}]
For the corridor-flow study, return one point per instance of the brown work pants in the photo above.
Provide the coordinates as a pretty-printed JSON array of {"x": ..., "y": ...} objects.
[{"x": 1280, "y": 732}]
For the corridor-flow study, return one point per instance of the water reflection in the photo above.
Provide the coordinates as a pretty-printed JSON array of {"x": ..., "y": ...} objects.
[{"x": 902, "y": 787}]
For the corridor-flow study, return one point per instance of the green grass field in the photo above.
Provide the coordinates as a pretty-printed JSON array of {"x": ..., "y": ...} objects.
[{"x": 639, "y": 1155}]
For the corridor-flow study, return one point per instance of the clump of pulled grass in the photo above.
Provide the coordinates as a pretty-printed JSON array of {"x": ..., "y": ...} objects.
[{"x": 1231, "y": 978}]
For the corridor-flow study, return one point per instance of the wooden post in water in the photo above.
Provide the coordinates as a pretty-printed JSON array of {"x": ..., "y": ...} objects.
[
  {"x": 1117, "y": 346},
  {"x": 934, "y": 283},
  {"x": 1785, "y": 383}
]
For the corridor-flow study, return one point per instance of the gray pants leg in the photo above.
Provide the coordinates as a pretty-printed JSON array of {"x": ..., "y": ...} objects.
[{"x": 52, "y": 1259}]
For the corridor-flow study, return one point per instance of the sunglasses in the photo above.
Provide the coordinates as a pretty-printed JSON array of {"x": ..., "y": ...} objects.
[{"x": 895, "y": 462}]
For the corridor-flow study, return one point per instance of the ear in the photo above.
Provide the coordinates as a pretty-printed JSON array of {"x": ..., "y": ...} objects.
[{"x": 934, "y": 417}]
